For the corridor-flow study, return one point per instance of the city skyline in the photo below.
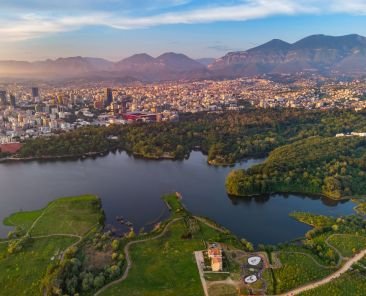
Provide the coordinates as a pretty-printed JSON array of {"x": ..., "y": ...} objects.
[{"x": 117, "y": 29}]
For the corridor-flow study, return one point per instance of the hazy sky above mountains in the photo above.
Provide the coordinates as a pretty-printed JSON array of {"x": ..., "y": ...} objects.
[{"x": 114, "y": 29}]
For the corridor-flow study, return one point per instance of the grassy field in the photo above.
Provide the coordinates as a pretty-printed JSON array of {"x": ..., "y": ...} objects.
[
  {"x": 167, "y": 265},
  {"x": 69, "y": 215},
  {"x": 216, "y": 276},
  {"x": 347, "y": 244},
  {"x": 267, "y": 276},
  {"x": 73, "y": 215},
  {"x": 296, "y": 270},
  {"x": 23, "y": 220},
  {"x": 222, "y": 290},
  {"x": 163, "y": 266},
  {"x": 21, "y": 272},
  {"x": 352, "y": 283}
]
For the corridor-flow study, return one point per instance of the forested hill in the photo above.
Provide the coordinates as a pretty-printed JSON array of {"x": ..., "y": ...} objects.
[
  {"x": 225, "y": 137},
  {"x": 334, "y": 167}
]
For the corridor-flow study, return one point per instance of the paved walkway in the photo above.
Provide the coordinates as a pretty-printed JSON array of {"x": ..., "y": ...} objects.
[
  {"x": 199, "y": 259},
  {"x": 329, "y": 278}
]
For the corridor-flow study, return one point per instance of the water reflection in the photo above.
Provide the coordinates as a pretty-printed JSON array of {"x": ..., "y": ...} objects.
[{"x": 132, "y": 188}]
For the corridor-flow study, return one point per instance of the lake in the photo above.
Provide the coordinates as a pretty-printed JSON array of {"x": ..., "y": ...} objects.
[{"x": 132, "y": 188}]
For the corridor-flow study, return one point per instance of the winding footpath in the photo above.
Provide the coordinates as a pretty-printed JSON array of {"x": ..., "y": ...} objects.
[
  {"x": 128, "y": 257},
  {"x": 329, "y": 278},
  {"x": 341, "y": 257}
]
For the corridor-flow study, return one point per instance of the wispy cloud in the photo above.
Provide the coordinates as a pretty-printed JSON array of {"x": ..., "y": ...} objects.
[
  {"x": 20, "y": 26},
  {"x": 357, "y": 7}
]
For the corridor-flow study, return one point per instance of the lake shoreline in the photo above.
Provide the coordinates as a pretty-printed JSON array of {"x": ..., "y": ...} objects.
[
  {"x": 310, "y": 194},
  {"x": 125, "y": 183},
  {"x": 95, "y": 155}
]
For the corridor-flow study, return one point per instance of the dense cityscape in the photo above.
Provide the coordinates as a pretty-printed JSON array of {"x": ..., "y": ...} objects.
[{"x": 31, "y": 111}]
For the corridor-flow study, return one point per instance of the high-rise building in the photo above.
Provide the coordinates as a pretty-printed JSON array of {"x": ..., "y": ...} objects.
[
  {"x": 60, "y": 99},
  {"x": 124, "y": 106},
  {"x": 13, "y": 101},
  {"x": 35, "y": 92},
  {"x": 2, "y": 97},
  {"x": 108, "y": 96}
]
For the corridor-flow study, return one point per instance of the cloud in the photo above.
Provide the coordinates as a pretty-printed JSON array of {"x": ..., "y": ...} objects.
[
  {"x": 357, "y": 7},
  {"x": 87, "y": 6},
  {"x": 31, "y": 25}
]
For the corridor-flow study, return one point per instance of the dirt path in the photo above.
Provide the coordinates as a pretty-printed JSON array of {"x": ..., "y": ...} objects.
[
  {"x": 128, "y": 258},
  {"x": 329, "y": 278},
  {"x": 341, "y": 257},
  {"x": 340, "y": 260}
]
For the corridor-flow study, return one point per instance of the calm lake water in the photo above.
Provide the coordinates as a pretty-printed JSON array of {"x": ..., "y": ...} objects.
[{"x": 132, "y": 188}]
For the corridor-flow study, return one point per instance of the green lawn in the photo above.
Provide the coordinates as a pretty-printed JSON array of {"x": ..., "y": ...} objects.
[
  {"x": 3, "y": 251},
  {"x": 216, "y": 276},
  {"x": 21, "y": 273},
  {"x": 174, "y": 203},
  {"x": 348, "y": 244},
  {"x": 349, "y": 284},
  {"x": 163, "y": 267},
  {"x": 296, "y": 270},
  {"x": 70, "y": 215},
  {"x": 222, "y": 290},
  {"x": 23, "y": 220},
  {"x": 267, "y": 276}
]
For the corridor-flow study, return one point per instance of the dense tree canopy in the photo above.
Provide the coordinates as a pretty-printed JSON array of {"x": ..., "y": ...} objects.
[
  {"x": 225, "y": 137},
  {"x": 334, "y": 167}
]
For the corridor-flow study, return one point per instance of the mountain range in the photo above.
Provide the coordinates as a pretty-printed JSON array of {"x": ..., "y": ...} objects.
[{"x": 326, "y": 55}]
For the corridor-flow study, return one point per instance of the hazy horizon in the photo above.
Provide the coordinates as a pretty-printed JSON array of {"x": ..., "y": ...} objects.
[
  {"x": 159, "y": 54},
  {"x": 116, "y": 29}
]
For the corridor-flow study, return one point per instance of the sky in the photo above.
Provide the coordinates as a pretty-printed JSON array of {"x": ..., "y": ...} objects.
[{"x": 115, "y": 29}]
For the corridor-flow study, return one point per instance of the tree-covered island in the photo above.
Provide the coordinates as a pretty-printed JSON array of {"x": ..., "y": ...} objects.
[{"x": 332, "y": 167}]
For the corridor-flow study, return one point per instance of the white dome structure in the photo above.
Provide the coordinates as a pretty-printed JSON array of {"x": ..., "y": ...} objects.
[
  {"x": 251, "y": 279},
  {"x": 254, "y": 261}
]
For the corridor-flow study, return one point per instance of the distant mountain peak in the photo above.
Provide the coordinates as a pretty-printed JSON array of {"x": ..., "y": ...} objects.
[
  {"x": 327, "y": 55},
  {"x": 172, "y": 55},
  {"x": 274, "y": 44},
  {"x": 179, "y": 62},
  {"x": 334, "y": 42},
  {"x": 140, "y": 58},
  {"x": 316, "y": 53}
]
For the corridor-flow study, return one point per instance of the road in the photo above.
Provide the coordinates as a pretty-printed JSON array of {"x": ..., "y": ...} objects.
[
  {"x": 199, "y": 259},
  {"x": 329, "y": 278}
]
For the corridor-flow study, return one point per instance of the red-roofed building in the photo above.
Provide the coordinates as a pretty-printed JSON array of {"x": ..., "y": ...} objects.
[
  {"x": 215, "y": 254},
  {"x": 139, "y": 116},
  {"x": 10, "y": 147}
]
